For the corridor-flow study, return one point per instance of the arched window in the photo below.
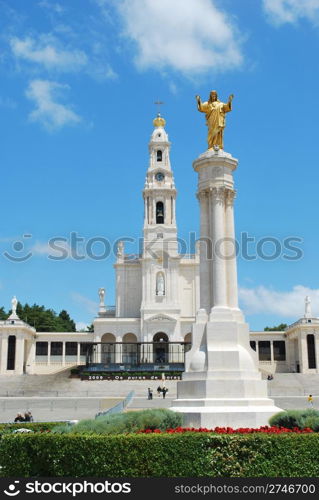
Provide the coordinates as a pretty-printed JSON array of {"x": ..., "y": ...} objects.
[
  {"x": 159, "y": 155},
  {"x": 108, "y": 342},
  {"x": 160, "y": 284},
  {"x": 130, "y": 349},
  {"x": 159, "y": 212}
]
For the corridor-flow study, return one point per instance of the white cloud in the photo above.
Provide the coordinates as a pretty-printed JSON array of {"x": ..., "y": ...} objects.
[
  {"x": 289, "y": 11},
  {"x": 46, "y": 51},
  {"x": 290, "y": 304},
  {"x": 88, "y": 304},
  {"x": 55, "y": 7},
  {"x": 50, "y": 113},
  {"x": 80, "y": 326},
  {"x": 191, "y": 36}
]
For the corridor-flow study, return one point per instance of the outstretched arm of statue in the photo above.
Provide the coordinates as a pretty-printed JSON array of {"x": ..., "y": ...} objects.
[
  {"x": 228, "y": 105},
  {"x": 200, "y": 106}
]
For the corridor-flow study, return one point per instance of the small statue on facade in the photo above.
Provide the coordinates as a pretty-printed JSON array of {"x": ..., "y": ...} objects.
[
  {"x": 215, "y": 118},
  {"x": 102, "y": 307},
  {"x": 160, "y": 285},
  {"x": 14, "y": 303},
  {"x": 120, "y": 249},
  {"x": 101, "y": 295},
  {"x": 308, "y": 313}
]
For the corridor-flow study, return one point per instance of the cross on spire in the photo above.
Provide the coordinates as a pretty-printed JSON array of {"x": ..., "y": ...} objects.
[{"x": 159, "y": 104}]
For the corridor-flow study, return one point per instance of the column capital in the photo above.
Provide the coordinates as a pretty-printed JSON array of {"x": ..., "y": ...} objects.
[
  {"x": 218, "y": 194},
  {"x": 230, "y": 195},
  {"x": 202, "y": 195}
]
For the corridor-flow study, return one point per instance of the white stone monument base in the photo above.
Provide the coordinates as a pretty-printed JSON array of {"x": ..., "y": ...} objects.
[
  {"x": 226, "y": 416},
  {"x": 222, "y": 386}
]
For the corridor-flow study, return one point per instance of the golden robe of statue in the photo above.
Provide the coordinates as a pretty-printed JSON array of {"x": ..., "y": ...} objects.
[{"x": 215, "y": 117}]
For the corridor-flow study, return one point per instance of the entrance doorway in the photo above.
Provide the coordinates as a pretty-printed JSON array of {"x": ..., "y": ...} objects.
[{"x": 160, "y": 348}]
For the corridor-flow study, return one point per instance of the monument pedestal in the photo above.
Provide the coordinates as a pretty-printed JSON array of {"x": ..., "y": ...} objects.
[{"x": 221, "y": 385}]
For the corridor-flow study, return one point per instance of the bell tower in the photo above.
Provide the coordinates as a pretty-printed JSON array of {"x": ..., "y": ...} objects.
[
  {"x": 160, "y": 259},
  {"x": 160, "y": 232}
]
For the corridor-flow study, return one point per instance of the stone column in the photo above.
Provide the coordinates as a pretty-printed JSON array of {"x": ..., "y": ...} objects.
[
  {"x": 49, "y": 352},
  {"x": 78, "y": 353},
  {"x": 218, "y": 242},
  {"x": 272, "y": 351},
  {"x": 31, "y": 357},
  {"x": 63, "y": 353},
  {"x": 221, "y": 385},
  {"x": 19, "y": 355},
  {"x": 257, "y": 350},
  {"x": 205, "y": 252},
  {"x": 118, "y": 349},
  {"x": 231, "y": 262},
  {"x": 303, "y": 353},
  {"x": 4, "y": 353}
]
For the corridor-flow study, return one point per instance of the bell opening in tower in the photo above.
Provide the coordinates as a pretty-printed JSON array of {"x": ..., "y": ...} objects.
[
  {"x": 159, "y": 155},
  {"x": 159, "y": 212}
]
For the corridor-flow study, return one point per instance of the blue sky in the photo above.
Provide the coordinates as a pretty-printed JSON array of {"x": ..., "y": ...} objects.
[{"x": 79, "y": 81}]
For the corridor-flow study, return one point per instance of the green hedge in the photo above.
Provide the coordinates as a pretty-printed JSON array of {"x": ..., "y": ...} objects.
[
  {"x": 160, "y": 455},
  {"x": 124, "y": 423},
  {"x": 296, "y": 418}
]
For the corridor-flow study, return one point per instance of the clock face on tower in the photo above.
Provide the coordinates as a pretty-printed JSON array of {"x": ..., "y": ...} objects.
[{"x": 159, "y": 176}]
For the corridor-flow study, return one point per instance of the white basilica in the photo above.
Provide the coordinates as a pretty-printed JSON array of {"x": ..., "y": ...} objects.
[{"x": 157, "y": 296}]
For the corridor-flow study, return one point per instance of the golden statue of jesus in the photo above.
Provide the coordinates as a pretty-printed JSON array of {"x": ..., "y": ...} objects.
[{"x": 215, "y": 117}]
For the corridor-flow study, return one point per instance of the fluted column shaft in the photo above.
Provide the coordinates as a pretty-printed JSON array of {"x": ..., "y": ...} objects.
[
  {"x": 205, "y": 252},
  {"x": 231, "y": 262},
  {"x": 218, "y": 242}
]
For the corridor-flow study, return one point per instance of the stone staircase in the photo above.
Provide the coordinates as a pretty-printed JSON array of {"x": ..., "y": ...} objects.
[
  {"x": 293, "y": 384},
  {"x": 60, "y": 385},
  {"x": 58, "y": 396}
]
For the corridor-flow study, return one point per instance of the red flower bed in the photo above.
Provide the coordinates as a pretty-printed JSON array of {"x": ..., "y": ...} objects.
[{"x": 230, "y": 430}]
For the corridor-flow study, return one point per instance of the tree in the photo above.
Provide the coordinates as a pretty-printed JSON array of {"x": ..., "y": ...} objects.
[
  {"x": 279, "y": 328},
  {"x": 42, "y": 319},
  {"x": 3, "y": 314},
  {"x": 67, "y": 324}
]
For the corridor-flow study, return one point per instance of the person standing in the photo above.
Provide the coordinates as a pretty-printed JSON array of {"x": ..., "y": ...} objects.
[
  {"x": 164, "y": 391},
  {"x": 149, "y": 393},
  {"x": 310, "y": 401}
]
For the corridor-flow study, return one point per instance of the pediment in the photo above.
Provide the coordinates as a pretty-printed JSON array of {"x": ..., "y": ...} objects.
[{"x": 160, "y": 317}]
